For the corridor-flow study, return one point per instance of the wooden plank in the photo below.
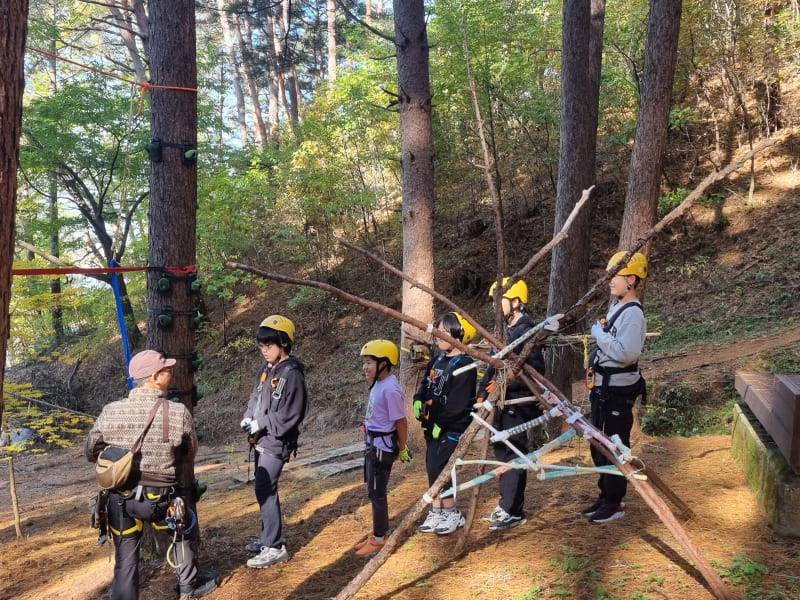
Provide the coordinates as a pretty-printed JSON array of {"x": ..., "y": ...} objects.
[
  {"x": 789, "y": 390},
  {"x": 775, "y": 402},
  {"x": 329, "y": 469},
  {"x": 760, "y": 402},
  {"x": 329, "y": 454}
]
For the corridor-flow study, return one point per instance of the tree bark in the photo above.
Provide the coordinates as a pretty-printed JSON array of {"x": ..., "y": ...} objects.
[
  {"x": 13, "y": 32},
  {"x": 173, "y": 185},
  {"x": 416, "y": 132},
  {"x": 650, "y": 138},
  {"x": 580, "y": 89}
]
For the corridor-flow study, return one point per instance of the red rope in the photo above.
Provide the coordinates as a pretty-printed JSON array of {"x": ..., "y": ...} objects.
[
  {"x": 145, "y": 86},
  {"x": 99, "y": 270},
  {"x": 74, "y": 270}
]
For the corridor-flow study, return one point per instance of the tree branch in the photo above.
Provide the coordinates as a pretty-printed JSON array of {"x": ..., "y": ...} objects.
[{"x": 363, "y": 23}]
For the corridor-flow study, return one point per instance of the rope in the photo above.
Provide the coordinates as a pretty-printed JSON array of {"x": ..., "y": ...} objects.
[
  {"x": 21, "y": 397},
  {"x": 188, "y": 270},
  {"x": 145, "y": 86}
]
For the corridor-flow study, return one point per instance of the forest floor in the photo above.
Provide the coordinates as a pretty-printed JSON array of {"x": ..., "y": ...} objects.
[{"x": 556, "y": 554}]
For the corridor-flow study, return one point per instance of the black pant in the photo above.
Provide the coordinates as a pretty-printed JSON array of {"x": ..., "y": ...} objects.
[
  {"x": 612, "y": 416},
  {"x": 512, "y": 483},
  {"x": 126, "y": 518},
  {"x": 377, "y": 468}
]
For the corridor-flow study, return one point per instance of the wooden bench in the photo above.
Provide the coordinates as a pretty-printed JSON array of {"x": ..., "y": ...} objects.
[{"x": 775, "y": 401}]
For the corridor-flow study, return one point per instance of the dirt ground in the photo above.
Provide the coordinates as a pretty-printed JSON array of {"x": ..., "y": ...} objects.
[{"x": 556, "y": 554}]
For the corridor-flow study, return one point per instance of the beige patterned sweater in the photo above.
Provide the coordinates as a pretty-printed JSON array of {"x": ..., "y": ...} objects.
[{"x": 157, "y": 463}]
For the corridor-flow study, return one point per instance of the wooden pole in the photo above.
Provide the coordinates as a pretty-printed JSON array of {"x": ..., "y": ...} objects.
[{"x": 12, "y": 485}]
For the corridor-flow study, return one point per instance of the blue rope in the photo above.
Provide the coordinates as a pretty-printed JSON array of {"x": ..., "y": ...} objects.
[{"x": 122, "y": 329}]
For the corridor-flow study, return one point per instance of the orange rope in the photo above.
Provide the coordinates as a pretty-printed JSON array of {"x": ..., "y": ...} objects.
[{"x": 144, "y": 86}]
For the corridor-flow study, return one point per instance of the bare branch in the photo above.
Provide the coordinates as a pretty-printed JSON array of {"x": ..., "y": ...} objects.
[{"x": 363, "y": 23}]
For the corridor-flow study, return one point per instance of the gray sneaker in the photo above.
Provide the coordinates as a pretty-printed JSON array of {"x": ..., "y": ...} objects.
[
  {"x": 254, "y": 547},
  {"x": 268, "y": 557},
  {"x": 508, "y": 522}
]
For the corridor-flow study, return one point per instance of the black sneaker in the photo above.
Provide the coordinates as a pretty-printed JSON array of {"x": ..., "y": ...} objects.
[
  {"x": 590, "y": 510},
  {"x": 610, "y": 512},
  {"x": 203, "y": 585},
  {"x": 507, "y": 523}
]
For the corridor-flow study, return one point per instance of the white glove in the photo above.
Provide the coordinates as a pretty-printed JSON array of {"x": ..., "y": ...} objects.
[
  {"x": 597, "y": 329},
  {"x": 254, "y": 428},
  {"x": 245, "y": 424}
]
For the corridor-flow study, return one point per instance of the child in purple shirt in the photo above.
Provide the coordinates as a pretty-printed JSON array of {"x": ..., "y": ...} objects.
[{"x": 385, "y": 430}]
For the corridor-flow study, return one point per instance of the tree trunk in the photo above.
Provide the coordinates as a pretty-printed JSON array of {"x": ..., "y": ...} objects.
[
  {"x": 173, "y": 185},
  {"x": 580, "y": 89},
  {"x": 236, "y": 75},
  {"x": 13, "y": 31},
  {"x": 56, "y": 314},
  {"x": 650, "y": 139},
  {"x": 252, "y": 86},
  {"x": 331, "y": 11},
  {"x": 126, "y": 33},
  {"x": 411, "y": 40}
]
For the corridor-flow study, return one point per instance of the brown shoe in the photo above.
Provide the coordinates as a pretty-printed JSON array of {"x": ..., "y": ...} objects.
[
  {"x": 362, "y": 543},
  {"x": 371, "y": 546}
]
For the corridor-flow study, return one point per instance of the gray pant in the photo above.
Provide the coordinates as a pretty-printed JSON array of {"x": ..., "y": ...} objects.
[{"x": 268, "y": 470}]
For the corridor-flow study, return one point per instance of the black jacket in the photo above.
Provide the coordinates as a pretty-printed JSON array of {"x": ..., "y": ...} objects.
[
  {"x": 447, "y": 400},
  {"x": 516, "y": 389}
]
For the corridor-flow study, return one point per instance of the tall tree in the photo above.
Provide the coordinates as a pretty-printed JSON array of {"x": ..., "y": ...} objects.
[
  {"x": 416, "y": 131},
  {"x": 331, "y": 12},
  {"x": 13, "y": 31},
  {"x": 173, "y": 186},
  {"x": 233, "y": 63},
  {"x": 580, "y": 88},
  {"x": 650, "y": 139}
]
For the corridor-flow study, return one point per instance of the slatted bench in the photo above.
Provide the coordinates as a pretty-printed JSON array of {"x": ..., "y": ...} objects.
[{"x": 775, "y": 402}]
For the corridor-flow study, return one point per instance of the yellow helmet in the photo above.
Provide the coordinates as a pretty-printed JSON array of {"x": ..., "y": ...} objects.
[
  {"x": 637, "y": 264},
  {"x": 469, "y": 331},
  {"x": 381, "y": 349},
  {"x": 518, "y": 290},
  {"x": 279, "y": 323}
]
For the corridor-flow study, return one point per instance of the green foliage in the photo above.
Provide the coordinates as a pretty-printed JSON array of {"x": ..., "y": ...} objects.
[
  {"x": 743, "y": 570},
  {"x": 671, "y": 201},
  {"x": 675, "y": 410}
]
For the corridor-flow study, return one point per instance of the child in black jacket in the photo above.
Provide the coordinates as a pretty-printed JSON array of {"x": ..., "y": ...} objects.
[
  {"x": 509, "y": 513},
  {"x": 442, "y": 405}
]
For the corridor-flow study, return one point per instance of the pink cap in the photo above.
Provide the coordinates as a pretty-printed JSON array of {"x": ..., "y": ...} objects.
[{"x": 147, "y": 363}]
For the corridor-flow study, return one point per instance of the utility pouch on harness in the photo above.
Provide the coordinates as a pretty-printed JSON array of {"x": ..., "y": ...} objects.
[
  {"x": 98, "y": 506},
  {"x": 113, "y": 467}
]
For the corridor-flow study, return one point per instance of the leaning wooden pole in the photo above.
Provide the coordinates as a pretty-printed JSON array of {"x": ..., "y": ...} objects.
[
  {"x": 646, "y": 491},
  {"x": 12, "y": 488},
  {"x": 543, "y": 389},
  {"x": 547, "y": 393}
]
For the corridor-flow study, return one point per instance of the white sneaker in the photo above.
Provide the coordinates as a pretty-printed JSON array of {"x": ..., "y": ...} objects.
[
  {"x": 268, "y": 557},
  {"x": 451, "y": 520},
  {"x": 432, "y": 521}
]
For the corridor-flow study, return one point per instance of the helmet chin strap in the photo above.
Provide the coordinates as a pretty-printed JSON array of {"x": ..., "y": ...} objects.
[
  {"x": 378, "y": 371},
  {"x": 628, "y": 288}
]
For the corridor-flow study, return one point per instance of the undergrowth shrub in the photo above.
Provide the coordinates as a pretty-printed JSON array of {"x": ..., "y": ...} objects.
[{"x": 675, "y": 411}]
